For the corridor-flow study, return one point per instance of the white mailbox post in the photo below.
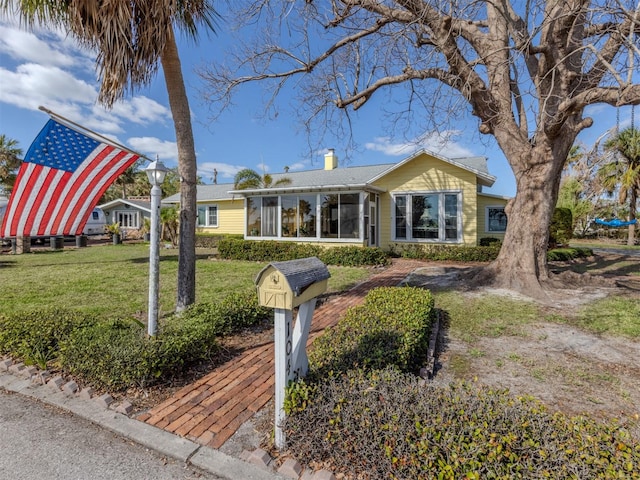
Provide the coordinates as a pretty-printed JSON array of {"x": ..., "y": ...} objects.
[{"x": 284, "y": 286}]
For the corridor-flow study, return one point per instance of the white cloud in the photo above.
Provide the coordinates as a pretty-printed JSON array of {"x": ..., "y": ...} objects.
[
  {"x": 151, "y": 146},
  {"x": 440, "y": 143},
  {"x": 226, "y": 172},
  {"x": 295, "y": 167},
  {"x": 48, "y": 68},
  {"x": 32, "y": 85},
  {"x": 24, "y": 46},
  {"x": 142, "y": 110}
]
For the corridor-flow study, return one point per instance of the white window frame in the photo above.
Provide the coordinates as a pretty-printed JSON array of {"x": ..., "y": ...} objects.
[
  {"x": 487, "y": 226},
  {"x": 318, "y": 237},
  {"x": 207, "y": 214},
  {"x": 134, "y": 217},
  {"x": 441, "y": 217}
]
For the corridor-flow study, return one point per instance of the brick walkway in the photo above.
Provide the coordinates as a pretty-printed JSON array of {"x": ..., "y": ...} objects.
[{"x": 210, "y": 410}]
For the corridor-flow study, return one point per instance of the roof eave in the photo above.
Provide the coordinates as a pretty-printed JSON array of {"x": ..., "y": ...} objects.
[{"x": 321, "y": 188}]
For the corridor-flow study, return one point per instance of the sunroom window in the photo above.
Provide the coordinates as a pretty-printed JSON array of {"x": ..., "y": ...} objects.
[
  {"x": 340, "y": 215},
  {"x": 429, "y": 217}
]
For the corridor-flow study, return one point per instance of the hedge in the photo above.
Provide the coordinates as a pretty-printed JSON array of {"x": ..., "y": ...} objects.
[
  {"x": 35, "y": 336},
  {"x": 386, "y": 424},
  {"x": 456, "y": 253},
  {"x": 274, "y": 251},
  {"x": 117, "y": 353},
  {"x": 391, "y": 327}
]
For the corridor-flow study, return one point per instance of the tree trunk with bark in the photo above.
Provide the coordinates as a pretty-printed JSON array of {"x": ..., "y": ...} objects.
[
  {"x": 187, "y": 168},
  {"x": 522, "y": 262}
]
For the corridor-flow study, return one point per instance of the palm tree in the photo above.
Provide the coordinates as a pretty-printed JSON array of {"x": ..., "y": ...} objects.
[
  {"x": 10, "y": 161},
  {"x": 248, "y": 179},
  {"x": 623, "y": 173},
  {"x": 132, "y": 37}
]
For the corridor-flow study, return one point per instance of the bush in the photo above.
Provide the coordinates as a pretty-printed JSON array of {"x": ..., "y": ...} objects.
[
  {"x": 391, "y": 327},
  {"x": 353, "y": 256},
  {"x": 210, "y": 240},
  {"x": 117, "y": 354},
  {"x": 561, "y": 227},
  {"x": 266, "y": 251},
  {"x": 236, "y": 311},
  {"x": 566, "y": 254},
  {"x": 488, "y": 241},
  {"x": 385, "y": 424},
  {"x": 272, "y": 251},
  {"x": 447, "y": 253},
  {"x": 35, "y": 336}
]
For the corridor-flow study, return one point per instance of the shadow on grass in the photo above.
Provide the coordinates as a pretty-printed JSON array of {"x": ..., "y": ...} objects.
[{"x": 606, "y": 265}]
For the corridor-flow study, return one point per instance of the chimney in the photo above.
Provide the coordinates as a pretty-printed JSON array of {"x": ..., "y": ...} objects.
[{"x": 330, "y": 160}]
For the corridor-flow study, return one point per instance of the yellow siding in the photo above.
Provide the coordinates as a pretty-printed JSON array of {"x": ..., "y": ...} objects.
[
  {"x": 230, "y": 217},
  {"x": 483, "y": 202},
  {"x": 428, "y": 174}
]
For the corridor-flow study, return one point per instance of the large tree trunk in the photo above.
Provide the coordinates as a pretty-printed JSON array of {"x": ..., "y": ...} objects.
[
  {"x": 187, "y": 168},
  {"x": 522, "y": 262}
]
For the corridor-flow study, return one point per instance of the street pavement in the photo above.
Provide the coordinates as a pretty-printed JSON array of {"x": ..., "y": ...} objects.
[
  {"x": 47, "y": 434},
  {"x": 43, "y": 442}
]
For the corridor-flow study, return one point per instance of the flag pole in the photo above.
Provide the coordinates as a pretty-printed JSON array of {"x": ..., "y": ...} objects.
[{"x": 71, "y": 123}]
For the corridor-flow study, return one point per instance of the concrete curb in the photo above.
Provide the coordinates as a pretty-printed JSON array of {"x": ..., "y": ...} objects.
[{"x": 161, "y": 441}]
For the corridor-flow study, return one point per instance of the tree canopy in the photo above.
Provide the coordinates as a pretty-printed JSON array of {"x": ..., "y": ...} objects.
[
  {"x": 525, "y": 71},
  {"x": 132, "y": 38},
  {"x": 10, "y": 160}
]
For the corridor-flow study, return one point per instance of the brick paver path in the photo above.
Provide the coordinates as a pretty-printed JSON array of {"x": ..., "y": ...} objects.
[{"x": 210, "y": 410}]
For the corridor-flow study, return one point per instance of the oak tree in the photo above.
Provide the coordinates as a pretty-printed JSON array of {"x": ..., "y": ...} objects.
[{"x": 526, "y": 71}]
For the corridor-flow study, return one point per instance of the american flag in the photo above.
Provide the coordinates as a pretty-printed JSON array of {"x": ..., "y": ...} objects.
[{"x": 60, "y": 181}]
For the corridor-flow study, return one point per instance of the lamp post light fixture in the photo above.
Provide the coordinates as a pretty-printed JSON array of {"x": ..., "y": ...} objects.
[{"x": 156, "y": 171}]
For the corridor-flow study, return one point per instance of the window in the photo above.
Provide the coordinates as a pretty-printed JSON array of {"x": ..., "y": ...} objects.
[
  {"x": 207, "y": 215},
  {"x": 340, "y": 215},
  {"x": 298, "y": 215},
  {"x": 127, "y": 219},
  {"x": 427, "y": 217},
  {"x": 496, "y": 219},
  {"x": 310, "y": 216},
  {"x": 262, "y": 216}
]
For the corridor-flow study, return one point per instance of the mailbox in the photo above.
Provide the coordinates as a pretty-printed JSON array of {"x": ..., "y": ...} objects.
[{"x": 286, "y": 285}]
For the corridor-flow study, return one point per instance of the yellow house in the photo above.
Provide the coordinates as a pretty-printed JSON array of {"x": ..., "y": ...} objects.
[{"x": 424, "y": 199}]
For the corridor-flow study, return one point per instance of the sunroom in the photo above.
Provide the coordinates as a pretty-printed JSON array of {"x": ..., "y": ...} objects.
[{"x": 331, "y": 216}]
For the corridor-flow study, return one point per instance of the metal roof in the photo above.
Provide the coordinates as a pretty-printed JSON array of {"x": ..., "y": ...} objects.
[{"x": 341, "y": 178}]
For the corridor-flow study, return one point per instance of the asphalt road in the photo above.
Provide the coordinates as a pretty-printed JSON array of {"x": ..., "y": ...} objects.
[{"x": 38, "y": 441}]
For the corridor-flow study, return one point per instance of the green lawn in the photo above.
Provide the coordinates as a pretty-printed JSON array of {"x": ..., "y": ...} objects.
[{"x": 110, "y": 279}]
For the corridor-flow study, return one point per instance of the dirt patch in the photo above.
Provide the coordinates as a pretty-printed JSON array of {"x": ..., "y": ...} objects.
[{"x": 568, "y": 369}]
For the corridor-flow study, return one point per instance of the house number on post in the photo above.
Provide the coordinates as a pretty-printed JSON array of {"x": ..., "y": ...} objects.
[{"x": 284, "y": 286}]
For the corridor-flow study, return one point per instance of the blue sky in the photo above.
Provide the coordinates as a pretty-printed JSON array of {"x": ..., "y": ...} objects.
[{"x": 46, "y": 68}]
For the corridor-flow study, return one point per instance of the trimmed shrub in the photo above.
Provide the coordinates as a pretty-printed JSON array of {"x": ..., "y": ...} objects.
[
  {"x": 35, "y": 336},
  {"x": 112, "y": 354},
  {"x": 117, "y": 354},
  {"x": 236, "y": 311},
  {"x": 267, "y": 251},
  {"x": 561, "y": 227},
  {"x": 488, "y": 241},
  {"x": 273, "y": 251},
  {"x": 211, "y": 240},
  {"x": 447, "y": 253},
  {"x": 386, "y": 424},
  {"x": 352, "y": 256},
  {"x": 566, "y": 254},
  {"x": 391, "y": 327}
]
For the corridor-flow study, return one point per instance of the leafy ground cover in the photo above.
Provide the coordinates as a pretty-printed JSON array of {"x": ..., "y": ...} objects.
[{"x": 578, "y": 352}]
